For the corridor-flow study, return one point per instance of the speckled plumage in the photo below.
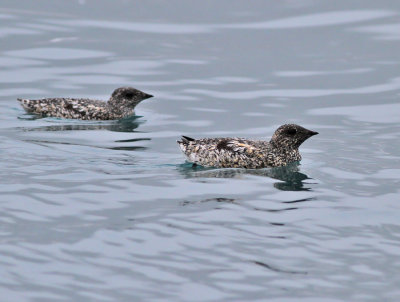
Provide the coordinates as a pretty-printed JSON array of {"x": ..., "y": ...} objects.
[
  {"x": 282, "y": 149},
  {"x": 120, "y": 105}
]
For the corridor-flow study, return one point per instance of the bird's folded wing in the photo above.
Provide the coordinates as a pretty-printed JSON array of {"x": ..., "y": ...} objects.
[{"x": 237, "y": 146}]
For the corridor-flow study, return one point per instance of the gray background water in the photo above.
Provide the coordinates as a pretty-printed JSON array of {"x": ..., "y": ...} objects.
[{"x": 109, "y": 211}]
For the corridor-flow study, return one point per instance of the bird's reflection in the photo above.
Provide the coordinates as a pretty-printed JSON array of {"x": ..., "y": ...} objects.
[
  {"x": 124, "y": 125},
  {"x": 290, "y": 177}
]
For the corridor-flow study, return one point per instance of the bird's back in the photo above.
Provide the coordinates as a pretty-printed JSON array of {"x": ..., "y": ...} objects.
[
  {"x": 85, "y": 109},
  {"x": 226, "y": 152}
]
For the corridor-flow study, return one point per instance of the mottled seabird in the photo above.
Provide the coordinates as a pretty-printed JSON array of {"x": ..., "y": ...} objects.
[
  {"x": 282, "y": 149},
  {"x": 120, "y": 105}
]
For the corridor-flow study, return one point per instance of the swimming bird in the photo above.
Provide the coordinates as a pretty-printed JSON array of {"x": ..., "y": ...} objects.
[
  {"x": 282, "y": 149},
  {"x": 120, "y": 105}
]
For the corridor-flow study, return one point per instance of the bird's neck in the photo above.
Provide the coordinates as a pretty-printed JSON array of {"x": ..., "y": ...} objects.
[
  {"x": 287, "y": 152},
  {"x": 118, "y": 109}
]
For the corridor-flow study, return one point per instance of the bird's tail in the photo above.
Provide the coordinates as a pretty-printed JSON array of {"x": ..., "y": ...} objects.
[
  {"x": 185, "y": 140},
  {"x": 24, "y": 103}
]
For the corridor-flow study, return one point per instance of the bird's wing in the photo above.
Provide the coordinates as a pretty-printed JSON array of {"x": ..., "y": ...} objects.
[
  {"x": 236, "y": 145},
  {"x": 80, "y": 108},
  {"x": 224, "y": 152}
]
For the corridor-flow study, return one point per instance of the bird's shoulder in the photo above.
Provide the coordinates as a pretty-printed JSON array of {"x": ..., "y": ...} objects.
[
  {"x": 235, "y": 144},
  {"x": 60, "y": 101},
  {"x": 78, "y": 102}
]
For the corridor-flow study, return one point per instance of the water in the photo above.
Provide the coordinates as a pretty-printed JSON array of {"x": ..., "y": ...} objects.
[{"x": 110, "y": 211}]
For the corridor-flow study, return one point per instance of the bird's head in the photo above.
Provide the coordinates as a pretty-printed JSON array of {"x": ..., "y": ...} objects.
[
  {"x": 128, "y": 97},
  {"x": 291, "y": 136}
]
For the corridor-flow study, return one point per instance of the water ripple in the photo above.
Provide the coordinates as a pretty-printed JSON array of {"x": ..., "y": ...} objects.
[
  {"x": 320, "y": 19},
  {"x": 109, "y": 211}
]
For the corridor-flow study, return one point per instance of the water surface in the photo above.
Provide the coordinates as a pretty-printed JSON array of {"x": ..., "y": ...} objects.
[{"x": 110, "y": 211}]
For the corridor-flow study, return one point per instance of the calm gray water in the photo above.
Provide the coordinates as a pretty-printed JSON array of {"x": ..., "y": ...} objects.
[{"x": 109, "y": 211}]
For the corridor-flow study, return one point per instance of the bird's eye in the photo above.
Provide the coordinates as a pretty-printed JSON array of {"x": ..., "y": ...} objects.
[
  {"x": 129, "y": 95},
  {"x": 291, "y": 131}
]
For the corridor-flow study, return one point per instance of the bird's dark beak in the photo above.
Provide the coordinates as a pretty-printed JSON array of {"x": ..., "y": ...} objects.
[
  {"x": 311, "y": 133},
  {"x": 147, "y": 96}
]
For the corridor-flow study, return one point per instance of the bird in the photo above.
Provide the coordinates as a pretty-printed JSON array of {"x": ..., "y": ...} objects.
[
  {"x": 227, "y": 152},
  {"x": 120, "y": 105}
]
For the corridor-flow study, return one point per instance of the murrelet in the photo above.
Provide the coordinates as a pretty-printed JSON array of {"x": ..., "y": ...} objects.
[
  {"x": 282, "y": 149},
  {"x": 120, "y": 105}
]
